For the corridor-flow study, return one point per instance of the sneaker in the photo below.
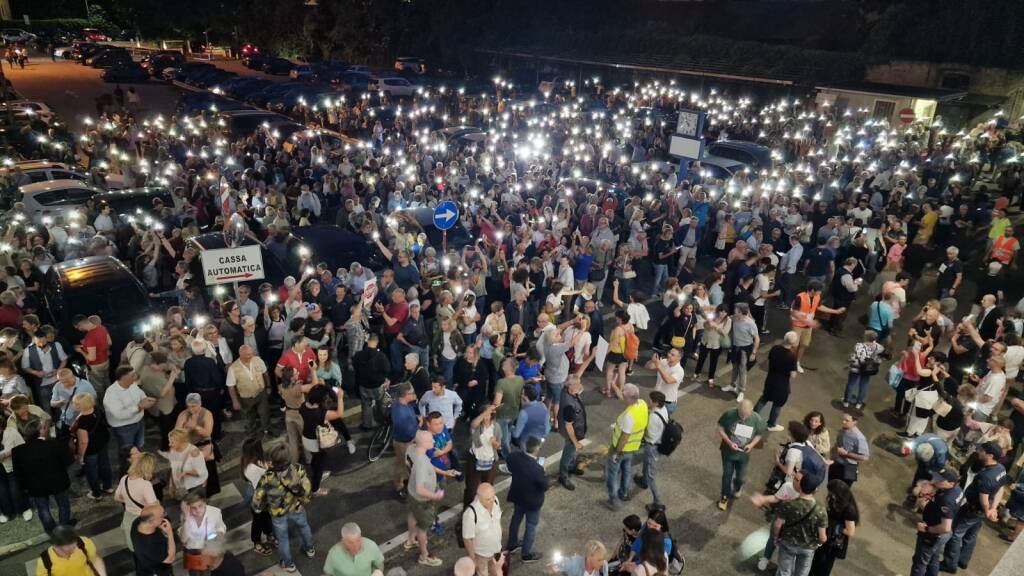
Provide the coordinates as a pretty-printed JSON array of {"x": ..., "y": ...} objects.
[
  {"x": 513, "y": 549},
  {"x": 799, "y": 368},
  {"x": 289, "y": 568},
  {"x": 739, "y": 397},
  {"x": 433, "y": 561},
  {"x": 567, "y": 483},
  {"x": 108, "y": 490},
  {"x": 776, "y": 428},
  {"x": 503, "y": 468},
  {"x": 613, "y": 505},
  {"x": 532, "y": 557},
  {"x": 410, "y": 544},
  {"x": 728, "y": 388},
  {"x": 577, "y": 471},
  {"x": 26, "y": 515},
  {"x": 4, "y": 519},
  {"x": 846, "y": 404},
  {"x": 859, "y": 406},
  {"x": 351, "y": 447},
  {"x": 436, "y": 528},
  {"x": 723, "y": 504},
  {"x": 311, "y": 553},
  {"x": 762, "y": 563},
  {"x": 93, "y": 497}
]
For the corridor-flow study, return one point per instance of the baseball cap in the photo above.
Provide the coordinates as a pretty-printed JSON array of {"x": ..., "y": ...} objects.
[
  {"x": 947, "y": 474},
  {"x": 993, "y": 449}
]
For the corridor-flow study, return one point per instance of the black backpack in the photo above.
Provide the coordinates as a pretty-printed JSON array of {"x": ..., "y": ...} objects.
[
  {"x": 671, "y": 436},
  {"x": 44, "y": 557}
]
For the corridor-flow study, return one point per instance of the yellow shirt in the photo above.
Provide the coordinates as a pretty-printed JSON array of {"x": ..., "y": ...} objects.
[
  {"x": 928, "y": 222},
  {"x": 74, "y": 565}
]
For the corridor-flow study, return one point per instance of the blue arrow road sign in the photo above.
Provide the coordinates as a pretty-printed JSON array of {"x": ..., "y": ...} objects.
[{"x": 445, "y": 215}]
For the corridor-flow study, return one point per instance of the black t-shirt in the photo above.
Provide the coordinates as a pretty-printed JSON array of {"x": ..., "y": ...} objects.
[
  {"x": 923, "y": 328},
  {"x": 944, "y": 505},
  {"x": 311, "y": 418},
  {"x": 662, "y": 246},
  {"x": 315, "y": 328},
  {"x": 150, "y": 552},
  {"x": 947, "y": 273},
  {"x": 98, "y": 432}
]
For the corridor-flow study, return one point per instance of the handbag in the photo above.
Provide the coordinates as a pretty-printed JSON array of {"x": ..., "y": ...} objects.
[
  {"x": 678, "y": 342},
  {"x": 895, "y": 376},
  {"x": 837, "y": 541},
  {"x": 194, "y": 561},
  {"x": 942, "y": 408},
  {"x": 725, "y": 342},
  {"x": 326, "y": 436}
]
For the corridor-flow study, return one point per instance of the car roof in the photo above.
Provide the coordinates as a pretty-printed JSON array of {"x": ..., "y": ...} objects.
[
  {"x": 93, "y": 270},
  {"x": 54, "y": 185},
  {"x": 131, "y": 192},
  {"x": 727, "y": 163},
  {"x": 252, "y": 112},
  {"x": 40, "y": 165},
  {"x": 752, "y": 147}
]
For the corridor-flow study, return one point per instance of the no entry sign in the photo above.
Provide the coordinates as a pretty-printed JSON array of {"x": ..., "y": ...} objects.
[
  {"x": 229, "y": 265},
  {"x": 907, "y": 115}
]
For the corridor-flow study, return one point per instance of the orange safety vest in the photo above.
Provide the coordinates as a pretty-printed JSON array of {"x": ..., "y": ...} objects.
[
  {"x": 808, "y": 307},
  {"x": 1003, "y": 249}
]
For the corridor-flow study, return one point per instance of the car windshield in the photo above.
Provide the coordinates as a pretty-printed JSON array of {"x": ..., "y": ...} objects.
[{"x": 116, "y": 304}]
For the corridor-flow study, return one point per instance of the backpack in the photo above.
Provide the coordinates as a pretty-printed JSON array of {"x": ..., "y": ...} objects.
[
  {"x": 671, "y": 436},
  {"x": 458, "y": 526},
  {"x": 632, "y": 350},
  {"x": 811, "y": 463},
  {"x": 47, "y": 562}
]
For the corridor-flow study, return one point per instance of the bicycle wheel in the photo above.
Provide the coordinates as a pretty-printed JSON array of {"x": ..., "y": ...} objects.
[{"x": 379, "y": 442}]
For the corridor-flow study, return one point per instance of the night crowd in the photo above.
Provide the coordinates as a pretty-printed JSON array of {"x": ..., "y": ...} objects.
[{"x": 586, "y": 256}]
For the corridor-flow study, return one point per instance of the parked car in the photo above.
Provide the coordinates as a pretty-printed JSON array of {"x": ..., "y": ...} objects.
[
  {"x": 718, "y": 168},
  {"x": 262, "y": 96},
  {"x": 130, "y": 201},
  {"x": 350, "y": 81},
  {"x": 255, "y": 61},
  {"x": 16, "y": 36},
  {"x": 423, "y": 218},
  {"x": 244, "y": 122},
  {"x": 306, "y": 72},
  {"x": 65, "y": 52},
  {"x": 82, "y": 50},
  {"x": 185, "y": 71},
  {"x": 44, "y": 170},
  {"x": 99, "y": 285},
  {"x": 56, "y": 197},
  {"x": 32, "y": 109},
  {"x": 210, "y": 78},
  {"x": 410, "y": 64},
  {"x": 94, "y": 35},
  {"x": 106, "y": 57},
  {"x": 249, "y": 49},
  {"x": 128, "y": 72},
  {"x": 393, "y": 87},
  {"x": 243, "y": 86},
  {"x": 277, "y": 66},
  {"x": 752, "y": 154},
  {"x": 158, "y": 61}
]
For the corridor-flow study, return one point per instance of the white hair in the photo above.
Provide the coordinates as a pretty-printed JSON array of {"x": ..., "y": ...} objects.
[
  {"x": 631, "y": 393},
  {"x": 351, "y": 530}
]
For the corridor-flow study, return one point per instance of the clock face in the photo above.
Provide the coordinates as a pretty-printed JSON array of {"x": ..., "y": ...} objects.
[{"x": 687, "y": 124}]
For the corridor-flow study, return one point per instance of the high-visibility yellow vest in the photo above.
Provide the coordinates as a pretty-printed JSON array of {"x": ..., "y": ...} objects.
[{"x": 639, "y": 413}]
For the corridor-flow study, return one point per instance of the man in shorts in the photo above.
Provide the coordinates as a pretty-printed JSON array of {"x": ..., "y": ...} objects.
[
  {"x": 423, "y": 496},
  {"x": 801, "y": 315}
]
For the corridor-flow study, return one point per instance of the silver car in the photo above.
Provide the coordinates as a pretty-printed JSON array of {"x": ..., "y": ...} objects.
[{"x": 55, "y": 197}]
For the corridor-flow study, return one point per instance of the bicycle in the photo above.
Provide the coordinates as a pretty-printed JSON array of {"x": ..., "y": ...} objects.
[{"x": 381, "y": 439}]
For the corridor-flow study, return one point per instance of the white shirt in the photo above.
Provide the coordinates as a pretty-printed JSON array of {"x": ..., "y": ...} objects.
[
  {"x": 655, "y": 425},
  {"x": 638, "y": 315},
  {"x": 485, "y": 530},
  {"x": 122, "y": 405},
  {"x": 991, "y": 385},
  {"x": 762, "y": 285},
  {"x": 195, "y": 532},
  {"x": 1014, "y": 357},
  {"x": 671, "y": 391}
]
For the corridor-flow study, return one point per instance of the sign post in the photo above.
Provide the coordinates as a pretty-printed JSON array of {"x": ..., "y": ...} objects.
[
  {"x": 687, "y": 143},
  {"x": 445, "y": 216},
  {"x": 232, "y": 265}
]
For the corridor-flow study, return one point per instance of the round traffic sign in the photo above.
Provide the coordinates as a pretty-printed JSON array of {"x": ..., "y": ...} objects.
[
  {"x": 446, "y": 215},
  {"x": 907, "y": 115}
]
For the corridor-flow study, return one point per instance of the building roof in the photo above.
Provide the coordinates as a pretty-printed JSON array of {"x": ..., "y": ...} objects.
[{"x": 937, "y": 94}]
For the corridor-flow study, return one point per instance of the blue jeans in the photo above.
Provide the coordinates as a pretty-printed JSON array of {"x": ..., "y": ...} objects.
[
  {"x": 961, "y": 544},
  {"x": 856, "y": 383},
  {"x": 532, "y": 520},
  {"x": 506, "y": 436},
  {"x": 670, "y": 407},
  {"x": 650, "y": 469},
  {"x": 618, "y": 477},
  {"x": 733, "y": 474},
  {"x": 927, "y": 554},
  {"x": 769, "y": 546},
  {"x": 794, "y": 561},
  {"x": 97, "y": 472},
  {"x": 130, "y": 435},
  {"x": 660, "y": 273},
  {"x": 42, "y": 506},
  {"x": 281, "y": 524},
  {"x": 773, "y": 414},
  {"x": 568, "y": 459},
  {"x": 12, "y": 499},
  {"x": 448, "y": 370}
]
